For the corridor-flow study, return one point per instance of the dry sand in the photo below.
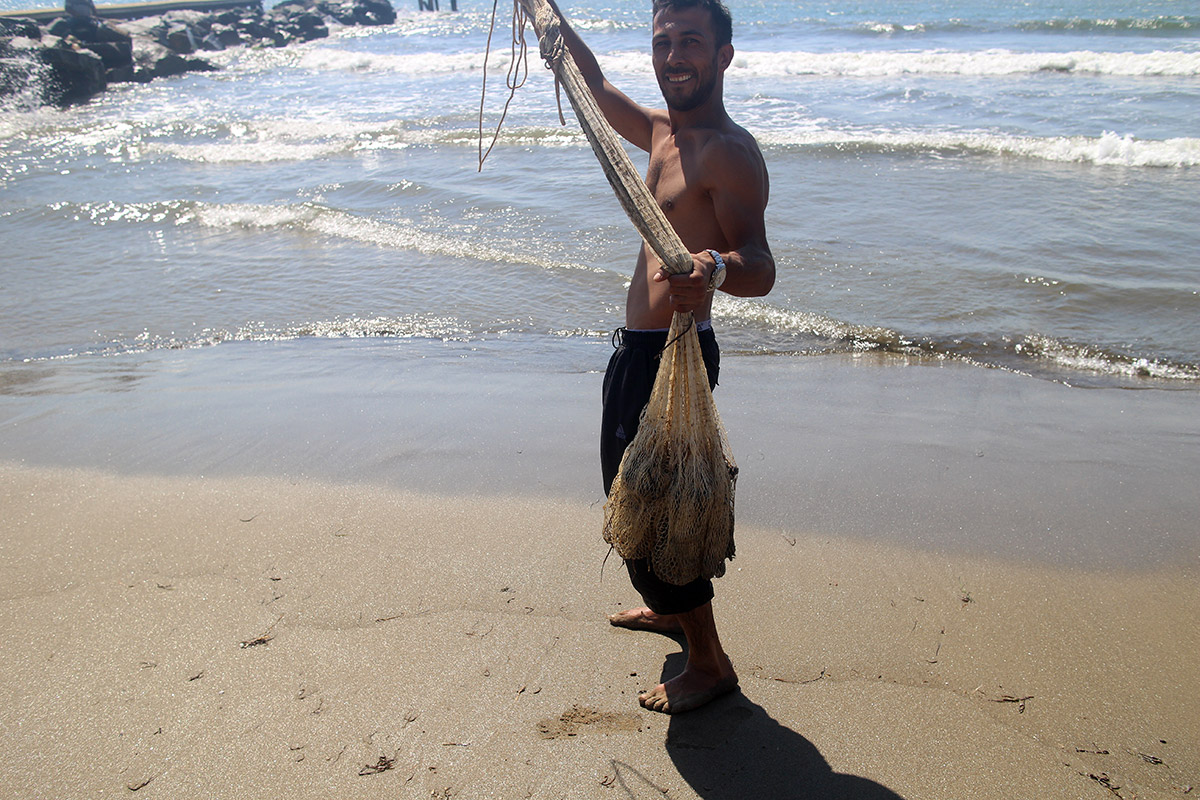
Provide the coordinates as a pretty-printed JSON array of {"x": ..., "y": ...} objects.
[{"x": 264, "y": 638}]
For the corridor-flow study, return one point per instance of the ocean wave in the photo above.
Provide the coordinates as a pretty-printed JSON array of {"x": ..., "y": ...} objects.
[
  {"x": 457, "y": 241},
  {"x": 1140, "y": 26},
  {"x": 1109, "y": 149},
  {"x": 886, "y": 63},
  {"x": 785, "y": 322},
  {"x": 409, "y": 326},
  {"x": 267, "y": 141},
  {"x": 260, "y": 152},
  {"x": 749, "y": 327},
  {"x": 263, "y": 141},
  {"x": 327, "y": 59},
  {"x": 773, "y": 330},
  {"x": 750, "y": 64},
  {"x": 1091, "y": 359},
  {"x": 338, "y": 55},
  {"x": 1163, "y": 25}
]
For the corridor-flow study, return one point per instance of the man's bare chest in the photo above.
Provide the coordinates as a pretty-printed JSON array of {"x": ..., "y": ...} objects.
[{"x": 673, "y": 188}]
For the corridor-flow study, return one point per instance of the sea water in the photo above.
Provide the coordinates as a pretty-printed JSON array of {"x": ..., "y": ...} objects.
[{"x": 1015, "y": 185}]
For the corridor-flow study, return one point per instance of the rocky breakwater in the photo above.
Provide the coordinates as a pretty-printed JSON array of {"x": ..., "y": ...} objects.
[{"x": 75, "y": 57}]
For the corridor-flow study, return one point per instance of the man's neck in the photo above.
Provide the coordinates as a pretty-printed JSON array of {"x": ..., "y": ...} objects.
[{"x": 710, "y": 115}]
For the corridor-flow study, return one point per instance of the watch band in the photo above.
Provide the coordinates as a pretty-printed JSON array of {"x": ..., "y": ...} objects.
[{"x": 718, "y": 274}]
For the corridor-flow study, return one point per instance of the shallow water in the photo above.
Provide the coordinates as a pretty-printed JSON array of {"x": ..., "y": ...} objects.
[{"x": 1014, "y": 187}]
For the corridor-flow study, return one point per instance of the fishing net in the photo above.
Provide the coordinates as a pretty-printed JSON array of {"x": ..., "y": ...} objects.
[{"x": 672, "y": 500}]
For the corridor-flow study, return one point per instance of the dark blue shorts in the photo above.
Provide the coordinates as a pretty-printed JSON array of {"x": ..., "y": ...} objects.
[{"x": 627, "y": 386}]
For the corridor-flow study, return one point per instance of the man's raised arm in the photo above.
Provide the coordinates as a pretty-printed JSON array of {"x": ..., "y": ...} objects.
[{"x": 630, "y": 120}]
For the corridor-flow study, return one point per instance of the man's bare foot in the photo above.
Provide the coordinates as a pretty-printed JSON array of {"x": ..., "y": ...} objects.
[
  {"x": 643, "y": 619},
  {"x": 690, "y": 689}
]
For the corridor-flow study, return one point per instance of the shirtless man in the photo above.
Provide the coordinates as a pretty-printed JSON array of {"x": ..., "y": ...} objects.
[{"x": 708, "y": 176}]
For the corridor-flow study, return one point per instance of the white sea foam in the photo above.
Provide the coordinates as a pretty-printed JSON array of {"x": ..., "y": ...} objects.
[
  {"x": 251, "y": 152},
  {"x": 408, "y": 64},
  {"x": 884, "y": 63},
  {"x": 761, "y": 64},
  {"x": 408, "y": 326},
  {"x": 1085, "y": 358},
  {"x": 459, "y": 241},
  {"x": 790, "y": 321},
  {"x": 288, "y": 139},
  {"x": 1109, "y": 149}
]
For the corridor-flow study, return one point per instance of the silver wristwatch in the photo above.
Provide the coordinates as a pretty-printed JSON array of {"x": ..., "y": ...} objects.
[{"x": 718, "y": 274}]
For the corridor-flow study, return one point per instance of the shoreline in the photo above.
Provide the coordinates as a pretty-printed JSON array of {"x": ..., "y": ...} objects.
[
  {"x": 942, "y": 457},
  {"x": 207, "y": 637}
]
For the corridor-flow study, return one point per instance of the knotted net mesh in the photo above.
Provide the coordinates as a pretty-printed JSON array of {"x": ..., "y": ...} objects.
[{"x": 672, "y": 500}]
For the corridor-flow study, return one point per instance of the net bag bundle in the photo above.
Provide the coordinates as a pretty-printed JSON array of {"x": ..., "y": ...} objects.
[{"x": 672, "y": 500}]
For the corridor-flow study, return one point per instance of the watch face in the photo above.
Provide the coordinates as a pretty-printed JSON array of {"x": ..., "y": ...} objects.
[{"x": 718, "y": 276}]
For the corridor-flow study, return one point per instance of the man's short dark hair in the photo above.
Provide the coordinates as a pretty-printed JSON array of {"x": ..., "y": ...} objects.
[{"x": 722, "y": 20}]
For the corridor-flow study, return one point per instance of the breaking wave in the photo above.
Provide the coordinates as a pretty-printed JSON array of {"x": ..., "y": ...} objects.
[
  {"x": 1141, "y": 26},
  {"x": 866, "y": 64},
  {"x": 315, "y": 219},
  {"x": 1109, "y": 149},
  {"x": 885, "y": 63},
  {"x": 780, "y": 331}
]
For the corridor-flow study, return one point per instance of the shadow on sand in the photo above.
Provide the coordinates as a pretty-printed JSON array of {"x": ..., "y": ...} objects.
[{"x": 732, "y": 749}]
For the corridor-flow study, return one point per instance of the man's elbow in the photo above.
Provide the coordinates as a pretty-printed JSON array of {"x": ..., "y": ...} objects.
[
  {"x": 765, "y": 275},
  {"x": 765, "y": 285}
]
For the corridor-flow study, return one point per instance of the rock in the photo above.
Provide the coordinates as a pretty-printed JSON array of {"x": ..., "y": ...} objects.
[
  {"x": 300, "y": 21},
  {"x": 80, "y": 8},
  {"x": 144, "y": 28},
  {"x": 181, "y": 39},
  {"x": 175, "y": 64},
  {"x": 76, "y": 56},
  {"x": 114, "y": 47},
  {"x": 113, "y": 54},
  {"x": 358, "y": 12},
  {"x": 59, "y": 27},
  {"x": 154, "y": 60},
  {"x": 75, "y": 74},
  {"x": 19, "y": 26},
  {"x": 122, "y": 74},
  {"x": 223, "y": 36}
]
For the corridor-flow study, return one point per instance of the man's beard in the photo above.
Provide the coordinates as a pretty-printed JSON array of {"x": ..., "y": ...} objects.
[{"x": 697, "y": 98}]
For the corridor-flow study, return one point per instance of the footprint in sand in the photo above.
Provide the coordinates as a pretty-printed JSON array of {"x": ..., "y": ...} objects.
[{"x": 578, "y": 719}]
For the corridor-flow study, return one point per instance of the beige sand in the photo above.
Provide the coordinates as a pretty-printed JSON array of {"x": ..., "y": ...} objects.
[{"x": 191, "y": 638}]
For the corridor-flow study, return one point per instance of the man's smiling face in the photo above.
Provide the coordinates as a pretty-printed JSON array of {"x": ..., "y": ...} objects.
[{"x": 687, "y": 60}]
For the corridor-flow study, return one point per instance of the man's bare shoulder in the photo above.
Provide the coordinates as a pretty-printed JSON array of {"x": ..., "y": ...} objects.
[
  {"x": 731, "y": 154},
  {"x": 734, "y": 146}
]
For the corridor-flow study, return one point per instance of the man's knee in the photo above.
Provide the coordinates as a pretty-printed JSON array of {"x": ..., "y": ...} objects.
[{"x": 667, "y": 598}]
